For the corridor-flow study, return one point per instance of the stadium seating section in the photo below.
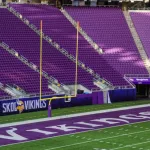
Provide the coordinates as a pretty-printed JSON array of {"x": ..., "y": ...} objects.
[
  {"x": 20, "y": 37},
  {"x": 141, "y": 22},
  {"x": 106, "y": 26},
  {"x": 60, "y": 30},
  {"x": 13, "y": 71},
  {"x": 3, "y": 94}
]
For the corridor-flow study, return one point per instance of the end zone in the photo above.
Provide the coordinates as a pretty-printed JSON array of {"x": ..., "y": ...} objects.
[{"x": 59, "y": 126}]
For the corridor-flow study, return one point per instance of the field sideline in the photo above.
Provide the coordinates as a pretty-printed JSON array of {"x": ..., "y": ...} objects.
[
  {"x": 128, "y": 137},
  {"x": 66, "y": 111},
  {"x": 128, "y": 129}
]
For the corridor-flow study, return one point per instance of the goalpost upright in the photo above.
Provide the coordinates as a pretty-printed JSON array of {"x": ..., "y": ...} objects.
[{"x": 76, "y": 68}]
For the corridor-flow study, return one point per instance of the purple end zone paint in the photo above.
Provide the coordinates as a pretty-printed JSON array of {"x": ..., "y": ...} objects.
[{"x": 52, "y": 128}]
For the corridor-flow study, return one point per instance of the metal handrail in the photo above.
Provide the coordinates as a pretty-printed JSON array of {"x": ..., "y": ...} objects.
[
  {"x": 65, "y": 52},
  {"x": 84, "y": 34},
  {"x": 137, "y": 75},
  {"x": 20, "y": 89},
  {"x": 132, "y": 85},
  {"x": 5, "y": 98},
  {"x": 29, "y": 95},
  {"x": 115, "y": 6},
  {"x": 56, "y": 45},
  {"x": 6, "y": 47},
  {"x": 144, "y": 8},
  {"x": 96, "y": 89}
]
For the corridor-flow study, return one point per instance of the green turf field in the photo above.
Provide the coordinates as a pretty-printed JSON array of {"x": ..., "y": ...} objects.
[
  {"x": 66, "y": 111},
  {"x": 127, "y": 137}
]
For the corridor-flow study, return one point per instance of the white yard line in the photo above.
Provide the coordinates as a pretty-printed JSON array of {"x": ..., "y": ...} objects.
[
  {"x": 73, "y": 115},
  {"x": 69, "y": 145},
  {"x": 141, "y": 11},
  {"x": 73, "y": 133},
  {"x": 131, "y": 145}
]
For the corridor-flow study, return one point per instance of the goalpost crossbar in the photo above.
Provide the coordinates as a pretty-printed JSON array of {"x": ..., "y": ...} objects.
[{"x": 76, "y": 72}]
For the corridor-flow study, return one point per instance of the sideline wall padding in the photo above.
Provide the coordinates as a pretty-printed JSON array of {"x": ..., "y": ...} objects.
[{"x": 122, "y": 95}]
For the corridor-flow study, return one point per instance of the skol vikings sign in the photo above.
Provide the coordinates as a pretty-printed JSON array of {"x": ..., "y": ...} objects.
[{"x": 21, "y": 105}]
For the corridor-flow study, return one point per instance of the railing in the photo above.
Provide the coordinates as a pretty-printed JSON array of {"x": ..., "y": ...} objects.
[
  {"x": 30, "y": 3},
  {"x": 2, "y": 88},
  {"x": 144, "y": 8},
  {"x": 82, "y": 32},
  {"x": 137, "y": 40},
  {"x": 1, "y": 85},
  {"x": 127, "y": 76},
  {"x": 43, "y": 94},
  {"x": 54, "y": 44},
  {"x": 137, "y": 75},
  {"x": 9, "y": 89},
  {"x": 104, "y": 82},
  {"x": 2, "y": 6},
  {"x": 64, "y": 51},
  {"x": 5, "y": 98},
  {"x": 96, "y": 90},
  {"x": 107, "y": 6},
  {"x": 26, "y": 96},
  {"x": 124, "y": 87},
  {"x": 30, "y": 64},
  {"x": 114, "y": 6},
  {"x": 26, "y": 61},
  {"x": 19, "y": 88}
]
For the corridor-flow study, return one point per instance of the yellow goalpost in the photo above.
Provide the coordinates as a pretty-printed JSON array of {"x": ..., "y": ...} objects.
[{"x": 76, "y": 71}]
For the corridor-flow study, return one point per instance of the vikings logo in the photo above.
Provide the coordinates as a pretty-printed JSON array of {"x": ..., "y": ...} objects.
[{"x": 20, "y": 106}]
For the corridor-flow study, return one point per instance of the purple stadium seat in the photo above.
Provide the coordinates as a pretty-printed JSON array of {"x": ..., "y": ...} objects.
[
  {"x": 13, "y": 71},
  {"x": 3, "y": 94},
  {"x": 108, "y": 28},
  {"x": 141, "y": 22},
  {"x": 20, "y": 37},
  {"x": 110, "y": 36}
]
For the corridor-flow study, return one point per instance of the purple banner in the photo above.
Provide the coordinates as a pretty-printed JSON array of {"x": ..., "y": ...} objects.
[
  {"x": 140, "y": 80},
  {"x": 21, "y": 105}
]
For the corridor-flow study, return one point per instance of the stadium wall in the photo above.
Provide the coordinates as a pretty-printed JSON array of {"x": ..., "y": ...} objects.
[
  {"x": 120, "y": 95},
  {"x": 15, "y": 106},
  {"x": 22, "y": 105}
]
